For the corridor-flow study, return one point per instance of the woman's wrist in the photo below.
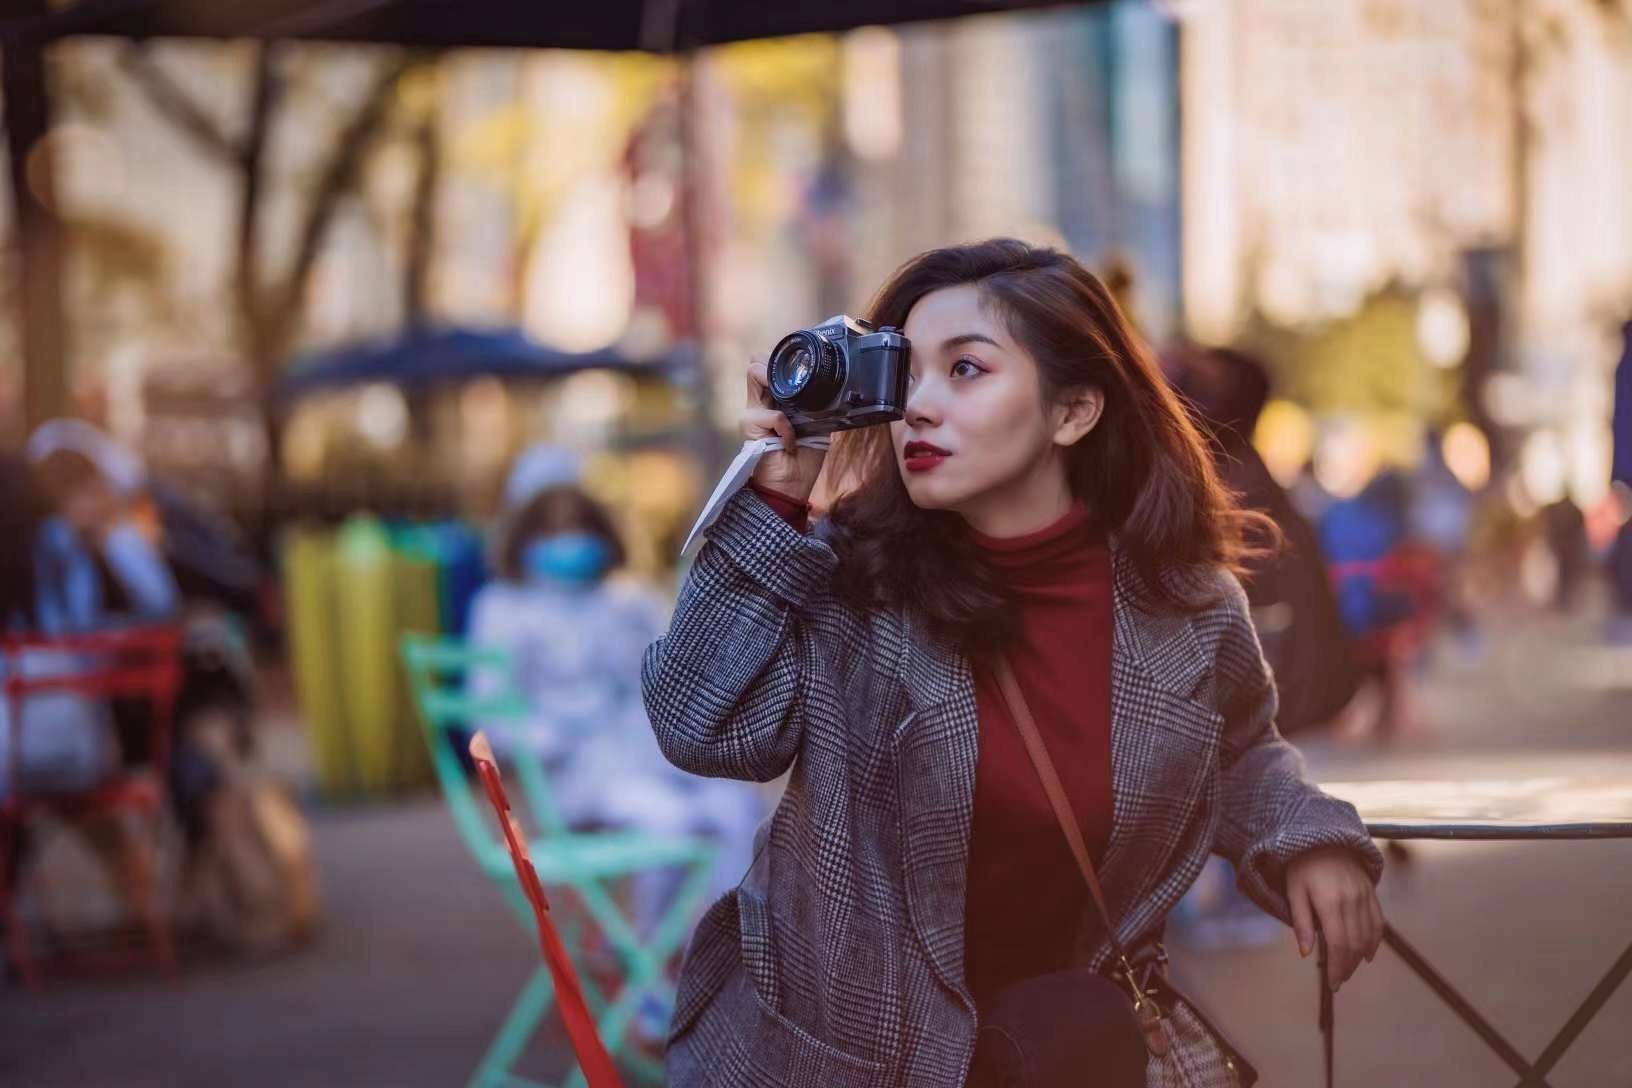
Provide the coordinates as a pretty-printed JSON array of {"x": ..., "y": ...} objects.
[{"x": 793, "y": 509}]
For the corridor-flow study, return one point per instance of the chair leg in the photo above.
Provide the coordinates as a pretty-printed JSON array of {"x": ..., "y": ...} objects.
[
  {"x": 153, "y": 913},
  {"x": 645, "y": 962},
  {"x": 11, "y": 867},
  {"x": 531, "y": 1005},
  {"x": 135, "y": 871}
]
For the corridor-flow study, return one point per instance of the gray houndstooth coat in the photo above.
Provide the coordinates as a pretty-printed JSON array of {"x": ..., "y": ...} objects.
[{"x": 838, "y": 962}]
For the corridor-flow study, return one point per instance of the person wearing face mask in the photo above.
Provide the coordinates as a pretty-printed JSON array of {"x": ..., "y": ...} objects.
[
  {"x": 575, "y": 632},
  {"x": 1041, "y": 540}
]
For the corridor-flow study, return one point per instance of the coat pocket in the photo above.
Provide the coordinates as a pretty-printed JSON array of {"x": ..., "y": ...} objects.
[
  {"x": 781, "y": 1046},
  {"x": 713, "y": 956},
  {"x": 792, "y": 1056}
]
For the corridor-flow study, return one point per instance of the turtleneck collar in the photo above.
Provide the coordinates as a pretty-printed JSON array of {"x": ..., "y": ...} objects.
[{"x": 1046, "y": 555}]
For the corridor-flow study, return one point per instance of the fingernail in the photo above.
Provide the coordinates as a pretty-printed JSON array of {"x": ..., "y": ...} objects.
[{"x": 1303, "y": 950}]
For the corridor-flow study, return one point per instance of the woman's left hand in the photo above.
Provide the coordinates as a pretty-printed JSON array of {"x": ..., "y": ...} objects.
[{"x": 1331, "y": 887}]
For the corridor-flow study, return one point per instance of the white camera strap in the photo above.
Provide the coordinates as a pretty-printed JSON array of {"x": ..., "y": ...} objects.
[{"x": 742, "y": 467}]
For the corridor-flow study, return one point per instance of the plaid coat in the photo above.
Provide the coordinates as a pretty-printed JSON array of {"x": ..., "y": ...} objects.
[{"x": 838, "y": 962}]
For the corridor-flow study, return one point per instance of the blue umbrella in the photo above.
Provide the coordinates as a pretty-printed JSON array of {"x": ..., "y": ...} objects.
[{"x": 422, "y": 358}]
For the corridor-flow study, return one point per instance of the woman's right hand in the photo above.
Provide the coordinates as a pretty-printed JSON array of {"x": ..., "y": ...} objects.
[{"x": 791, "y": 470}]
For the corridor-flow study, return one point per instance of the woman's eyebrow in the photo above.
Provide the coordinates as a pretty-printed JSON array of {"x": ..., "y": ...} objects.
[{"x": 967, "y": 338}]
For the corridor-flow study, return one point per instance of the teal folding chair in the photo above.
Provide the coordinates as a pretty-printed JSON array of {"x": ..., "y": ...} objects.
[{"x": 586, "y": 863}]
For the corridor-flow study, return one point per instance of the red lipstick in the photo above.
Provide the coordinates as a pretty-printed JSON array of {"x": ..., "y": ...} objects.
[{"x": 923, "y": 456}]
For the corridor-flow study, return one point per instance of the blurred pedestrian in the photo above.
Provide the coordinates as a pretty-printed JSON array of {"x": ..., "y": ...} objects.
[
  {"x": 71, "y": 562},
  {"x": 1381, "y": 589},
  {"x": 1620, "y": 569},
  {"x": 1288, "y": 587},
  {"x": 1565, "y": 528},
  {"x": 64, "y": 741},
  {"x": 1441, "y": 517},
  {"x": 575, "y": 633}
]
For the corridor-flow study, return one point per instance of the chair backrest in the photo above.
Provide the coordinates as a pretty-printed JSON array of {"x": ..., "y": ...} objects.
[
  {"x": 125, "y": 662},
  {"x": 440, "y": 670}
]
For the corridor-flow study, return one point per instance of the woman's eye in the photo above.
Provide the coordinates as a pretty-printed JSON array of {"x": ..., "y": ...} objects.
[{"x": 966, "y": 368}]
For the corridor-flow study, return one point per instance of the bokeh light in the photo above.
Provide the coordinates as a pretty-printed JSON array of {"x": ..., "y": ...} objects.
[{"x": 1467, "y": 454}]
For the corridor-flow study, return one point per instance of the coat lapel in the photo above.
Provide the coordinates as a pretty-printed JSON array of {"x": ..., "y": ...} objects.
[
  {"x": 936, "y": 748},
  {"x": 1162, "y": 742}
]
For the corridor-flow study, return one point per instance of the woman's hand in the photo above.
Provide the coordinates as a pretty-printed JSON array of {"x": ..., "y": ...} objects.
[
  {"x": 792, "y": 470},
  {"x": 1330, "y": 886}
]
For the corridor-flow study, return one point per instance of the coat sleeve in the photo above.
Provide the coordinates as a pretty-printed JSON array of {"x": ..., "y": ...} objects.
[
  {"x": 1271, "y": 812},
  {"x": 731, "y": 685}
]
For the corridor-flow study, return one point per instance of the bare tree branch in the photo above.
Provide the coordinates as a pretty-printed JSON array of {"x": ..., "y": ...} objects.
[
  {"x": 267, "y": 91},
  {"x": 337, "y": 179},
  {"x": 168, "y": 97}
]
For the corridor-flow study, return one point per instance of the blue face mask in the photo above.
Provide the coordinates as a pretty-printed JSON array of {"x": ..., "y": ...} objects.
[{"x": 574, "y": 559}]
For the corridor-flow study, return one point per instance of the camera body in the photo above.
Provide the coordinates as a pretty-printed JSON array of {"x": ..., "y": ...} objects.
[{"x": 839, "y": 375}]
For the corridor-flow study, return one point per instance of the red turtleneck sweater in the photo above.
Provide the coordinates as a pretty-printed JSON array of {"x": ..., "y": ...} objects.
[{"x": 1025, "y": 894}]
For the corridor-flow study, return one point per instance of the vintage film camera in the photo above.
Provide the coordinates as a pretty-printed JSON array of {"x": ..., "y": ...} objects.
[{"x": 839, "y": 375}]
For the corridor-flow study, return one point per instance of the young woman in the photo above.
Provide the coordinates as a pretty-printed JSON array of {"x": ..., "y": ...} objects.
[{"x": 912, "y": 909}]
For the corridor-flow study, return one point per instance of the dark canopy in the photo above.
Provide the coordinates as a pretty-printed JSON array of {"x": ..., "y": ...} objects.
[{"x": 652, "y": 25}]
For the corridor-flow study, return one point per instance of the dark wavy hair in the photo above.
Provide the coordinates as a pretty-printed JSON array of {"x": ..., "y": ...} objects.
[{"x": 1144, "y": 470}]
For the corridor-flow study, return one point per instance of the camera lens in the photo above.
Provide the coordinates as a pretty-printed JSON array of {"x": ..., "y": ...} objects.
[
  {"x": 804, "y": 371},
  {"x": 798, "y": 367}
]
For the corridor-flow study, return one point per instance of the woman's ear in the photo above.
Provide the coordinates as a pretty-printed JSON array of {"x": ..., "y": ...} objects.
[{"x": 1078, "y": 415}]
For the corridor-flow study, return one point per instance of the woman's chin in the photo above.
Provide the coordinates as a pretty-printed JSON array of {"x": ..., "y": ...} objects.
[{"x": 926, "y": 495}]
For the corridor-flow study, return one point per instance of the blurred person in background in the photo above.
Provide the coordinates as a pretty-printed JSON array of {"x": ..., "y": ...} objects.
[
  {"x": 575, "y": 634},
  {"x": 1293, "y": 608},
  {"x": 1620, "y": 575},
  {"x": 1291, "y": 596},
  {"x": 71, "y": 563},
  {"x": 102, "y": 560},
  {"x": 67, "y": 741},
  {"x": 1384, "y": 586},
  {"x": 1564, "y": 526},
  {"x": 1620, "y": 559},
  {"x": 126, "y": 547},
  {"x": 203, "y": 550},
  {"x": 1441, "y": 517}
]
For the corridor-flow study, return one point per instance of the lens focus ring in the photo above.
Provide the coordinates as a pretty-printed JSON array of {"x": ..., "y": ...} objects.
[{"x": 804, "y": 370}]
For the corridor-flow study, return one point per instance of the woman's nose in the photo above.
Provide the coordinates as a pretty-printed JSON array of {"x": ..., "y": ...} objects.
[{"x": 921, "y": 406}]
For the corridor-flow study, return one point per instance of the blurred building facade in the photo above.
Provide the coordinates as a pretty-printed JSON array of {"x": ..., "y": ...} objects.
[
  {"x": 1453, "y": 173},
  {"x": 1476, "y": 149}
]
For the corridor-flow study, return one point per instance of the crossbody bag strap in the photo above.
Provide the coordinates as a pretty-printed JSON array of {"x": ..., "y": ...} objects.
[
  {"x": 1145, "y": 1010},
  {"x": 1021, "y": 713}
]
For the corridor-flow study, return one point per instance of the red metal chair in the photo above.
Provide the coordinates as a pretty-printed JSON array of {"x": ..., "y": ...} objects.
[{"x": 127, "y": 663}]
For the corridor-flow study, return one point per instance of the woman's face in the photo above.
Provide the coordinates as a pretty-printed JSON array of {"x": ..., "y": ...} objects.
[{"x": 976, "y": 435}]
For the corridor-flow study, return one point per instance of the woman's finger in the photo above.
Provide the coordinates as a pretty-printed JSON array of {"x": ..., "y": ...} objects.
[
  {"x": 759, "y": 384},
  {"x": 1356, "y": 920},
  {"x": 759, "y": 422},
  {"x": 1303, "y": 922},
  {"x": 1339, "y": 944},
  {"x": 784, "y": 428},
  {"x": 1378, "y": 923}
]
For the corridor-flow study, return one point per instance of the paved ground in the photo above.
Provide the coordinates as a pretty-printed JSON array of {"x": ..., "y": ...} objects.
[{"x": 418, "y": 959}]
